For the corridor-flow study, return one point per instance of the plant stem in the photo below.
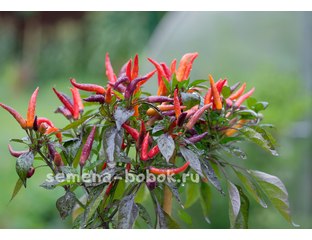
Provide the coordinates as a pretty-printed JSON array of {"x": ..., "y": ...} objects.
[{"x": 167, "y": 193}]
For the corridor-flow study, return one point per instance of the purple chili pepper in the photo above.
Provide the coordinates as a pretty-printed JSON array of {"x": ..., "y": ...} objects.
[
  {"x": 192, "y": 131},
  {"x": 120, "y": 80},
  {"x": 35, "y": 125},
  {"x": 87, "y": 148},
  {"x": 234, "y": 87},
  {"x": 197, "y": 138},
  {"x": 68, "y": 98},
  {"x": 121, "y": 88},
  {"x": 52, "y": 151},
  {"x": 95, "y": 98},
  {"x": 158, "y": 99},
  {"x": 132, "y": 86},
  {"x": 169, "y": 113},
  {"x": 123, "y": 70},
  {"x": 181, "y": 119},
  {"x": 64, "y": 110}
]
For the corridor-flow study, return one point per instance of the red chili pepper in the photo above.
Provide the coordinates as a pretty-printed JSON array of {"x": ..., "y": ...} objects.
[
  {"x": 128, "y": 167},
  {"x": 177, "y": 107},
  {"x": 44, "y": 120},
  {"x": 159, "y": 171},
  {"x": 182, "y": 65},
  {"x": 135, "y": 69},
  {"x": 104, "y": 166},
  {"x": 58, "y": 162},
  {"x": 243, "y": 98},
  {"x": 215, "y": 94},
  {"x": 153, "y": 152},
  {"x": 145, "y": 147},
  {"x": 133, "y": 132},
  {"x": 191, "y": 111},
  {"x": 159, "y": 68},
  {"x": 88, "y": 87},
  {"x": 220, "y": 86},
  {"x": 238, "y": 93},
  {"x": 136, "y": 111},
  {"x": 30, "y": 172},
  {"x": 55, "y": 130},
  {"x": 149, "y": 75},
  {"x": 109, "y": 70},
  {"x": 76, "y": 105},
  {"x": 31, "y": 109},
  {"x": 141, "y": 137},
  {"x": 173, "y": 66},
  {"x": 64, "y": 101},
  {"x": 188, "y": 67},
  {"x": 197, "y": 115},
  {"x": 16, "y": 115},
  {"x": 109, "y": 188},
  {"x": 108, "y": 95},
  {"x": 123, "y": 146},
  {"x": 16, "y": 153},
  {"x": 80, "y": 103},
  {"x": 166, "y": 70},
  {"x": 87, "y": 148},
  {"x": 128, "y": 70}
]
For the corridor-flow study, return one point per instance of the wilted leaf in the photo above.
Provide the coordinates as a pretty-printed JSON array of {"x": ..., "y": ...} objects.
[{"x": 276, "y": 191}]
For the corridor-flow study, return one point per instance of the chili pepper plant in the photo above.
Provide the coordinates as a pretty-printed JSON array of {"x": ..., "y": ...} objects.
[{"x": 133, "y": 140}]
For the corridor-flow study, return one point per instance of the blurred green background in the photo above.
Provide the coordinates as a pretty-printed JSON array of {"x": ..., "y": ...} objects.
[{"x": 268, "y": 50}]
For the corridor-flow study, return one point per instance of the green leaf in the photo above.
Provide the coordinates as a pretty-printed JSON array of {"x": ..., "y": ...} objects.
[
  {"x": 76, "y": 123},
  {"x": 212, "y": 176},
  {"x": 251, "y": 102},
  {"x": 127, "y": 213},
  {"x": 242, "y": 217},
  {"x": 66, "y": 204},
  {"x": 261, "y": 106},
  {"x": 191, "y": 157},
  {"x": 174, "y": 82},
  {"x": 247, "y": 112},
  {"x": 235, "y": 151},
  {"x": 58, "y": 145},
  {"x": 234, "y": 203},
  {"x": 174, "y": 190},
  {"x": 137, "y": 94},
  {"x": 77, "y": 158},
  {"x": 196, "y": 82},
  {"x": 226, "y": 92},
  {"x": 146, "y": 93},
  {"x": 266, "y": 135},
  {"x": 276, "y": 191},
  {"x": 190, "y": 100},
  {"x": 144, "y": 215},
  {"x": 112, "y": 140},
  {"x": 191, "y": 194},
  {"x": 23, "y": 164},
  {"x": 256, "y": 137},
  {"x": 231, "y": 139},
  {"x": 184, "y": 216},
  {"x": 205, "y": 199},
  {"x": 166, "y": 146},
  {"x": 89, "y": 166},
  {"x": 164, "y": 220},
  {"x": 251, "y": 187},
  {"x": 17, "y": 187},
  {"x": 121, "y": 115},
  {"x": 93, "y": 201},
  {"x": 54, "y": 181},
  {"x": 167, "y": 84},
  {"x": 72, "y": 148},
  {"x": 16, "y": 140},
  {"x": 77, "y": 224},
  {"x": 118, "y": 94}
]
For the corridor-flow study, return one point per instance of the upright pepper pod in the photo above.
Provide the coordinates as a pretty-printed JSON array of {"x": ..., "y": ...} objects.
[
  {"x": 76, "y": 105},
  {"x": 16, "y": 153},
  {"x": 220, "y": 86},
  {"x": 128, "y": 167},
  {"x": 64, "y": 110},
  {"x": 52, "y": 151},
  {"x": 123, "y": 70},
  {"x": 182, "y": 65},
  {"x": 243, "y": 98},
  {"x": 132, "y": 86},
  {"x": 18, "y": 117},
  {"x": 135, "y": 68},
  {"x": 145, "y": 147},
  {"x": 142, "y": 134},
  {"x": 104, "y": 166},
  {"x": 173, "y": 66},
  {"x": 31, "y": 109},
  {"x": 177, "y": 107},
  {"x": 58, "y": 162},
  {"x": 234, "y": 87},
  {"x": 109, "y": 70},
  {"x": 197, "y": 115},
  {"x": 208, "y": 97},
  {"x": 108, "y": 95},
  {"x": 43, "y": 128},
  {"x": 123, "y": 145},
  {"x": 123, "y": 79},
  {"x": 87, "y": 148},
  {"x": 159, "y": 69},
  {"x": 68, "y": 98},
  {"x": 36, "y": 125},
  {"x": 128, "y": 70},
  {"x": 181, "y": 119},
  {"x": 188, "y": 67},
  {"x": 78, "y": 98},
  {"x": 215, "y": 94},
  {"x": 88, "y": 87},
  {"x": 238, "y": 93},
  {"x": 166, "y": 70}
]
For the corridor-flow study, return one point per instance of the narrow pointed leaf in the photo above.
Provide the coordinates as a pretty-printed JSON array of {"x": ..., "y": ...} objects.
[
  {"x": 174, "y": 190},
  {"x": 192, "y": 194},
  {"x": 212, "y": 176},
  {"x": 276, "y": 191},
  {"x": 191, "y": 157},
  {"x": 184, "y": 216},
  {"x": 205, "y": 199},
  {"x": 242, "y": 217},
  {"x": 164, "y": 220},
  {"x": 234, "y": 202},
  {"x": 144, "y": 215},
  {"x": 17, "y": 187}
]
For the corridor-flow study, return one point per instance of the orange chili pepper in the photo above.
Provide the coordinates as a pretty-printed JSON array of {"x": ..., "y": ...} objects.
[
  {"x": 88, "y": 87},
  {"x": 173, "y": 125},
  {"x": 243, "y": 98},
  {"x": 55, "y": 130},
  {"x": 44, "y": 120},
  {"x": 16, "y": 115},
  {"x": 238, "y": 93},
  {"x": 108, "y": 95},
  {"x": 208, "y": 97},
  {"x": 230, "y": 132},
  {"x": 109, "y": 70},
  {"x": 136, "y": 111},
  {"x": 31, "y": 109},
  {"x": 151, "y": 111},
  {"x": 177, "y": 107},
  {"x": 215, "y": 94},
  {"x": 188, "y": 67},
  {"x": 159, "y": 68},
  {"x": 197, "y": 115},
  {"x": 58, "y": 162},
  {"x": 191, "y": 111},
  {"x": 162, "y": 90},
  {"x": 135, "y": 69},
  {"x": 76, "y": 105},
  {"x": 182, "y": 65}
]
